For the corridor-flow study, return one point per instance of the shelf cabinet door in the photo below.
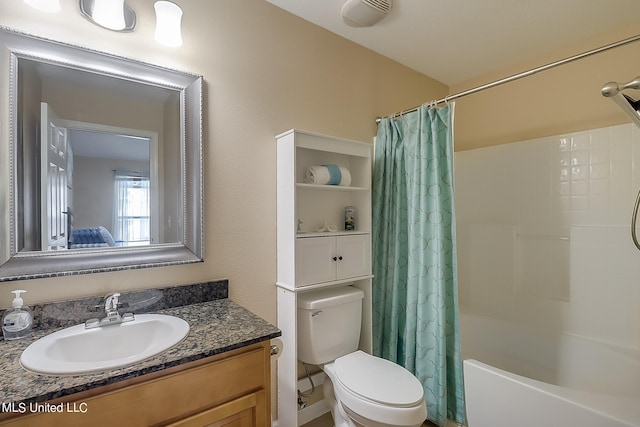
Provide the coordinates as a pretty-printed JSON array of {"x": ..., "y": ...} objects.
[
  {"x": 314, "y": 260},
  {"x": 326, "y": 259},
  {"x": 354, "y": 256}
]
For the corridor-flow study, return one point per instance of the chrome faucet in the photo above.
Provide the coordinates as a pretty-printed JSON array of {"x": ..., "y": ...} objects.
[
  {"x": 111, "y": 306},
  {"x": 111, "y": 314}
]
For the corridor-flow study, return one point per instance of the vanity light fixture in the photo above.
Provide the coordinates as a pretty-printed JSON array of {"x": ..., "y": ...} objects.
[
  {"x": 111, "y": 14},
  {"x": 115, "y": 15},
  {"x": 50, "y": 6},
  {"x": 168, "y": 23}
]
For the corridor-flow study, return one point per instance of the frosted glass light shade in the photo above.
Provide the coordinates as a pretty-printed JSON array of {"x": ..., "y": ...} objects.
[
  {"x": 114, "y": 15},
  {"x": 50, "y": 6},
  {"x": 109, "y": 13},
  {"x": 168, "y": 23}
]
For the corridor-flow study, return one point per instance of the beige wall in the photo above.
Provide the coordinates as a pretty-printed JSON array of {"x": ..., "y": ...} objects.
[
  {"x": 559, "y": 100},
  {"x": 265, "y": 72}
]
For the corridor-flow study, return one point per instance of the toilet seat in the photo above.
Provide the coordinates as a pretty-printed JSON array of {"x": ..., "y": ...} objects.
[
  {"x": 376, "y": 389},
  {"x": 378, "y": 380}
]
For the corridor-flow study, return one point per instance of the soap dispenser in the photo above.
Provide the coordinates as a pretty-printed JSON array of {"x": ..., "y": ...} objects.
[{"x": 18, "y": 320}]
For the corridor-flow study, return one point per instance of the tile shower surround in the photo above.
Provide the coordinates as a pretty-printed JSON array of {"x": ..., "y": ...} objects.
[
  {"x": 551, "y": 184},
  {"x": 543, "y": 227}
]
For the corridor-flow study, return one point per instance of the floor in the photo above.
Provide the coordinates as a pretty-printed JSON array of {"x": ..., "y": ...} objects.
[{"x": 327, "y": 421}]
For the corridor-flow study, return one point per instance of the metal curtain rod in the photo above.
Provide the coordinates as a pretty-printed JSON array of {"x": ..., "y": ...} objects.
[{"x": 524, "y": 74}]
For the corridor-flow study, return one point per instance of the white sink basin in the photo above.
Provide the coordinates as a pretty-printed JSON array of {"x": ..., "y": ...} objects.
[{"x": 77, "y": 350}]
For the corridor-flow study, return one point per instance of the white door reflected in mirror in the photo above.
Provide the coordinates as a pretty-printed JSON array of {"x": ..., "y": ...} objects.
[{"x": 102, "y": 185}]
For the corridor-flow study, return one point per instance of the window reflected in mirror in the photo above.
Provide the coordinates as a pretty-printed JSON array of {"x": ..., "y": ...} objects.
[{"x": 132, "y": 213}]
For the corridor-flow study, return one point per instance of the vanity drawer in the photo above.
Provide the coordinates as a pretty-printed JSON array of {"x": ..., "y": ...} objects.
[{"x": 170, "y": 398}]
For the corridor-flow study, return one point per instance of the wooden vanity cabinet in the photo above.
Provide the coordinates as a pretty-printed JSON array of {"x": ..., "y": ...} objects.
[{"x": 231, "y": 390}]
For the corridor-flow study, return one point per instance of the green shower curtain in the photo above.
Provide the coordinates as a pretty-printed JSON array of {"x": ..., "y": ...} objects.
[{"x": 415, "y": 296}]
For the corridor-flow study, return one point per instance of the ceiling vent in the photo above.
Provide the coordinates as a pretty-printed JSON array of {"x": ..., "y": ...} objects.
[{"x": 364, "y": 13}]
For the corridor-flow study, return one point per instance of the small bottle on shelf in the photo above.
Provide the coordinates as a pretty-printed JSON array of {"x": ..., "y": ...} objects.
[{"x": 349, "y": 218}]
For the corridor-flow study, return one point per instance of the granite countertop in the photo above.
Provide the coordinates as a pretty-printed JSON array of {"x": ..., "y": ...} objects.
[{"x": 215, "y": 327}]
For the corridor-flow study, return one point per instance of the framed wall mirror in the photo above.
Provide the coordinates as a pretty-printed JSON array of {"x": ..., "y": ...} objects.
[{"x": 101, "y": 161}]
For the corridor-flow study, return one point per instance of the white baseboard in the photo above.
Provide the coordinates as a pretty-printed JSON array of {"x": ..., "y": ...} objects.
[
  {"x": 312, "y": 412},
  {"x": 309, "y": 413}
]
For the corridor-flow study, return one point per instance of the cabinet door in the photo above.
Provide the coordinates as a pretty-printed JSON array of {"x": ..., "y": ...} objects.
[
  {"x": 241, "y": 419},
  {"x": 315, "y": 260},
  {"x": 241, "y": 412},
  {"x": 354, "y": 255}
]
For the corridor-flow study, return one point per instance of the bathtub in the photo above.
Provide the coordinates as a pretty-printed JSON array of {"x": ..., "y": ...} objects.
[{"x": 517, "y": 376}]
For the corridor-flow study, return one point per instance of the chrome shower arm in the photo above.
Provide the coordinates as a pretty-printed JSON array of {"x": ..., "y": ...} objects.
[
  {"x": 630, "y": 106},
  {"x": 613, "y": 88},
  {"x": 627, "y": 105}
]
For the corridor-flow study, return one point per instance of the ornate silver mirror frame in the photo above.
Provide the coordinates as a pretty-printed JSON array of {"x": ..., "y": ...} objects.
[{"x": 16, "y": 264}]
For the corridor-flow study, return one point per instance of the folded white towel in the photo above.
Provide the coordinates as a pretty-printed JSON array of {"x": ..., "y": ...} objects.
[{"x": 328, "y": 175}]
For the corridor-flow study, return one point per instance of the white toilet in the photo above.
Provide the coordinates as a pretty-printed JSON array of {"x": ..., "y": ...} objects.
[{"x": 362, "y": 390}]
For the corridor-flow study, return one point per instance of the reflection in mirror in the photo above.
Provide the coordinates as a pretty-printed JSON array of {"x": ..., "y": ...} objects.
[
  {"x": 104, "y": 158},
  {"x": 113, "y": 164},
  {"x": 99, "y": 179}
]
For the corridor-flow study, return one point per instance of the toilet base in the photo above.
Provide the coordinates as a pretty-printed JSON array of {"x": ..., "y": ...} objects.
[
  {"x": 343, "y": 416},
  {"x": 340, "y": 418},
  {"x": 356, "y": 419}
]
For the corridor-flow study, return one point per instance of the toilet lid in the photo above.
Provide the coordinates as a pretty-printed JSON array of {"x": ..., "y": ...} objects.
[{"x": 378, "y": 379}]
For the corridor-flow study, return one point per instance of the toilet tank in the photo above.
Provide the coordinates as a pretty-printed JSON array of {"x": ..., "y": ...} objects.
[{"x": 329, "y": 323}]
